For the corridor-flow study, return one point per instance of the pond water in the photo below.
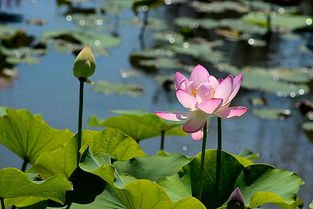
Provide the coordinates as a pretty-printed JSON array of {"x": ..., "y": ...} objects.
[{"x": 49, "y": 88}]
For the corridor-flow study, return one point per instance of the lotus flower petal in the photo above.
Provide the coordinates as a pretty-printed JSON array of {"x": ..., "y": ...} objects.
[
  {"x": 209, "y": 106},
  {"x": 236, "y": 86},
  {"x": 187, "y": 100},
  {"x": 197, "y": 135},
  {"x": 199, "y": 75},
  {"x": 195, "y": 124},
  {"x": 225, "y": 89},
  {"x": 177, "y": 116},
  {"x": 179, "y": 80},
  {"x": 231, "y": 112}
]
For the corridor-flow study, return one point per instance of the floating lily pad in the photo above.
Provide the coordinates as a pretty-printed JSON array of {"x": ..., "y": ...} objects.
[
  {"x": 151, "y": 4},
  {"x": 282, "y": 82},
  {"x": 91, "y": 21},
  {"x": 7, "y": 30},
  {"x": 218, "y": 7},
  {"x": 285, "y": 21},
  {"x": 105, "y": 87},
  {"x": 117, "y": 6},
  {"x": 272, "y": 114},
  {"x": 70, "y": 40},
  {"x": 308, "y": 129},
  {"x": 140, "y": 126}
]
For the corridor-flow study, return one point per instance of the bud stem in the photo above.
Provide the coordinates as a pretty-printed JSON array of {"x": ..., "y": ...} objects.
[
  {"x": 80, "y": 117},
  {"x": 202, "y": 160},
  {"x": 218, "y": 155},
  {"x": 2, "y": 203},
  {"x": 162, "y": 140}
]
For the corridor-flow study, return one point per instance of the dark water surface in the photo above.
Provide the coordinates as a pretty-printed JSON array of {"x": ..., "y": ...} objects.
[{"x": 50, "y": 88}]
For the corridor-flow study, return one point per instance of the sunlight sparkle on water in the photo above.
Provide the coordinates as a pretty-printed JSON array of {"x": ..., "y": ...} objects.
[
  {"x": 68, "y": 18},
  {"x": 309, "y": 21},
  {"x": 251, "y": 41},
  {"x": 185, "y": 148}
]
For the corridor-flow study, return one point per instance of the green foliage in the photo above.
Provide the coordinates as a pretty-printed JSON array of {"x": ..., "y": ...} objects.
[
  {"x": 28, "y": 135},
  {"x": 272, "y": 114},
  {"x": 105, "y": 87},
  {"x": 63, "y": 160},
  {"x": 286, "y": 21},
  {"x": 151, "y": 4},
  {"x": 69, "y": 40},
  {"x": 153, "y": 167},
  {"x": 133, "y": 193},
  {"x": 15, "y": 183},
  {"x": 259, "y": 183},
  {"x": 140, "y": 127}
]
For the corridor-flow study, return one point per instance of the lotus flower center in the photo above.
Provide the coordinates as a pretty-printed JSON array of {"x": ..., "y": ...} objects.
[{"x": 194, "y": 92}]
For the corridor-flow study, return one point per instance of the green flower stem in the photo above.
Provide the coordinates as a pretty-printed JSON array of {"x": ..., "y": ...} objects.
[
  {"x": 218, "y": 155},
  {"x": 24, "y": 166},
  {"x": 68, "y": 205},
  {"x": 80, "y": 117},
  {"x": 162, "y": 140},
  {"x": 202, "y": 160},
  {"x": 2, "y": 203}
]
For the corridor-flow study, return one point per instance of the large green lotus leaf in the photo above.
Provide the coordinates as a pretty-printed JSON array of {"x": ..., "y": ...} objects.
[
  {"x": 3, "y": 111},
  {"x": 135, "y": 194},
  {"x": 76, "y": 39},
  {"x": 15, "y": 183},
  {"x": 177, "y": 187},
  {"x": 153, "y": 167},
  {"x": 259, "y": 183},
  {"x": 141, "y": 126},
  {"x": 28, "y": 135},
  {"x": 105, "y": 87},
  {"x": 113, "y": 142},
  {"x": 230, "y": 170},
  {"x": 63, "y": 160},
  {"x": 286, "y": 21},
  {"x": 311, "y": 205},
  {"x": 21, "y": 202}
]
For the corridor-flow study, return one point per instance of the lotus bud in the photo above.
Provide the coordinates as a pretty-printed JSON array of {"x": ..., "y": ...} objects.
[
  {"x": 235, "y": 200},
  {"x": 85, "y": 64}
]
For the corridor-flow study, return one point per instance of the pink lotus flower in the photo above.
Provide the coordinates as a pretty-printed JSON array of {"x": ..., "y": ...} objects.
[{"x": 203, "y": 94}]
